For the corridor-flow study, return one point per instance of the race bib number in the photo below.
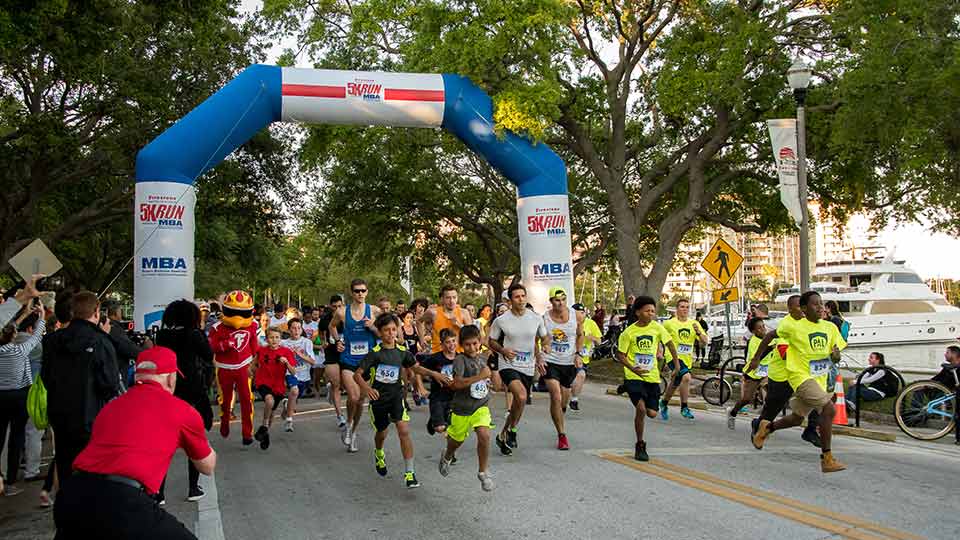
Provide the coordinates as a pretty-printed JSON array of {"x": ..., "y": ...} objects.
[
  {"x": 643, "y": 361},
  {"x": 820, "y": 367},
  {"x": 761, "y": 371},
  {"x": 359, "y": 349},
  {"x": 387, "y": 374},
  {"x": 523, "y": 360},
  {"x": 560, "y": 348},
  {"x": 447, "y": 370},
  {"x": 684, "y": 349},
  {"x": 478, "y": 390}
]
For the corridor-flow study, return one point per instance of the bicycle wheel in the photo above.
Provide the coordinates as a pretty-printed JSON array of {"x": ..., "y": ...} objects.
[
  {"x": 715, "y": 390},
  {"x": 925, "y": 410}
]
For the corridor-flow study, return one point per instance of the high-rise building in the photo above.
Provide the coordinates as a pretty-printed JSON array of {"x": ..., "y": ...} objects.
[{"x": 853, "y": 240}]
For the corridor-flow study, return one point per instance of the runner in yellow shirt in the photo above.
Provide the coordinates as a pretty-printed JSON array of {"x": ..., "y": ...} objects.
[
  {"x": 814, "y": 346},
  {"x": 591, "y": 338},
  {"x": 752, "y": 378},
  {"x": 637, "y": 351},
  {"x": 685, "y": 332}
]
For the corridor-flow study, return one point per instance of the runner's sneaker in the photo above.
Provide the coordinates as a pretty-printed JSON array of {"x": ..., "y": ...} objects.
[
  {"x": 261, "y": 431},
  {"x": 283, "y": 408},
  {"x": 444, "y": 464},
  {"x": 265, "y": 441},
  {"x": 760, "y": 434},
  {"x": 195, "y": 494},
  {"x": 10, "y": 490},
  {"x": 562, "y": 442},
  {"x": 354, "y": 444},
  {"x": 811, "y": 435},
  {"x": 411, "y": 480},
  {"x": 731, "y": 420},
  {"x": 640, "y": 452},
  {"x": 381, "y": 459},
  {"x": 829, "y": 464},
  {"x": 486, "y": 483},
  {"x": 664, "y": 413},
  {"x": 247, "y": 442},
  {"x": 341, "y": 422},
  {"x": 512, "y": 438},
  {"x": 503, "y": 445},
  {"x": 575, "y": 404},
  {"x": 224, "y": 429},
  {"x": 685, "y": 412},
  {"x": 346, "y": 436},
  {"x": 161, "y": 501},
  {"x": 288, "y": 425}
]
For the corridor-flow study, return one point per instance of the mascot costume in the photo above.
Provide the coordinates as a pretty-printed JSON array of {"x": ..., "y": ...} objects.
[{"x": 234, "y": 343}]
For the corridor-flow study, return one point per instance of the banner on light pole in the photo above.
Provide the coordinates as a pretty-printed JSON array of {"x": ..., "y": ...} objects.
[{"x": 783, "y": 136}]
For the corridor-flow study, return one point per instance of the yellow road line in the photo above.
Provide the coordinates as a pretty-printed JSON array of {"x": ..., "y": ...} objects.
[{"x": 839, "y": 524}]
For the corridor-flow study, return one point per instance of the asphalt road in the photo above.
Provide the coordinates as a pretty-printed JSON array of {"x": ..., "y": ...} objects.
[{"x": 704, "y": 482}]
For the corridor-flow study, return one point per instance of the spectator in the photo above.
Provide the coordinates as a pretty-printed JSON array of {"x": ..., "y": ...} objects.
[
  {"x": 80, "y": 373},
  {"x": 630, "y": 315},
  {"x": 15, "y": 381},
  {"x": 952, "y": 357},
  {"x": 27, "y": 332},
  {"x": 127, "y": 350},
  {"x": 836, "y": 317},
  {"x": 180, "y": 332},
  {"x": 213, "y": 317},
  {"x": 701, "y": 349},
  {"x": 599, "y": 315},
  {"x": 12, "y": 305},
  {"x": 875, "y": 385}
]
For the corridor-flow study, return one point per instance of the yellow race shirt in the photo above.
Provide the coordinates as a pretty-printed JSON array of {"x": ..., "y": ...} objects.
[
  {"x": 639, "y": 344},
  {"x": 777, "y": 369},
  {"x": 684, "y": 336},
  {"x": 810, "y": 348},
  {"x": 763, "y": 370},
  {"x": 590, "y": 328}
]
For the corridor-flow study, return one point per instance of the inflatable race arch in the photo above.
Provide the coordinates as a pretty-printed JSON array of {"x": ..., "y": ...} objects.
[{"x": 167, "y": 167}]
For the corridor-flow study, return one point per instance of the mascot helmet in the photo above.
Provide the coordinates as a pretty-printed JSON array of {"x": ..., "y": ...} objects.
[{"x": 237, "y": 309}]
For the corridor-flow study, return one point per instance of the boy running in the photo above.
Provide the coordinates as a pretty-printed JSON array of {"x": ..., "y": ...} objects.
[
  {"x": 470, "y": 412},
  {"x": 272, "y": 364},
  {"x": 637, "y": 351},
  {"x": 752, "y": 378},
  {"x": 439, "y": 367},
  {"x": 685, "y": 333},
  {"x": 814, "y": 346},
  {"x": 385, "y": 390},
  {"x": 297, "y": 384}
]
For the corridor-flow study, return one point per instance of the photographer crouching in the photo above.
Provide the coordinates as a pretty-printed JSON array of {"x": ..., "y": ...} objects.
[{"x": 134, "y": 438}]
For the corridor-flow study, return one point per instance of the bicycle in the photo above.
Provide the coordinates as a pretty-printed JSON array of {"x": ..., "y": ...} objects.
[{"x": 927, "y": 410}]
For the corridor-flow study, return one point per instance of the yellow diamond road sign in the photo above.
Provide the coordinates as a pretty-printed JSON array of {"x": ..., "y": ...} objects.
[
  {"x": 722, "y": 261},
  {"x": 725, "y": 296}
]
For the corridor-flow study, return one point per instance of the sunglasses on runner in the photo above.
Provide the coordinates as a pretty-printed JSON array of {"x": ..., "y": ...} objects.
[{"x": 358, "y": 291}]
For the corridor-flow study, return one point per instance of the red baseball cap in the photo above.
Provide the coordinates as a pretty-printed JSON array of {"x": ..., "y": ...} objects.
[{"x": 158, "y": 361}]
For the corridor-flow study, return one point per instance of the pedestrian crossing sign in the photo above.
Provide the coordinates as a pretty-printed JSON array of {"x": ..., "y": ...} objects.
[
  {"x": 726, "y": 296},
  {"x": 722, "y": 261}
]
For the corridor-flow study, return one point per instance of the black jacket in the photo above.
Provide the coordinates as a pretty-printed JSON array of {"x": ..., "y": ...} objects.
[
  {"x": 195, "y": 360},
  {"x": 127, "y": 350},
  {"x": 80, "y": 374}
]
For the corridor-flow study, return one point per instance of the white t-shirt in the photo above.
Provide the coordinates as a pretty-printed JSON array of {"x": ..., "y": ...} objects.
[
  {"x": 310, "y": 329},
  {"x": 563, "y": 339},
  {"x": 278, "y": 322},
  {"x": 301, "y": 347},
  {"x": 520, "y": 335}
]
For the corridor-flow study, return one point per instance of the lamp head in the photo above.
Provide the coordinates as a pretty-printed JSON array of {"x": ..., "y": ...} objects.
[{"x": 798, "y": 76}]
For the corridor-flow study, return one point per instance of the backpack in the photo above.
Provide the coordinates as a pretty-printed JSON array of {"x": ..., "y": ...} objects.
[
  {"x": 844, "y": 329},
  {"x": 37, "y": 404}
]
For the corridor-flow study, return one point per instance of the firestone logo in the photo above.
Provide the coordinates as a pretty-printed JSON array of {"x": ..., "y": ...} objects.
[
  {"x": 365, "y": 89},
  {"x": 164, "y": 216},
  {"x": 547, "y": 222}
]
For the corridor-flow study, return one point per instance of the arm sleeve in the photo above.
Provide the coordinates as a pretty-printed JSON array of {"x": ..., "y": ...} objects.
[
  {"x": 106, "y": 376},
  {"x": 218, "y": 344},
  {"x": 458, "y": 366},
  {"x": 623, "y": 343},
  {"x": 290, "y": 356},
  {"x": 193, "y": 438},
  {"x": 495, "y": 330},
  {"x": 368, "y": 360},
  {"x": 872, "y": 377},
  {"x": 665, "y": 336},
  {"x": 46, "y": 368},
  {"x": 408, "y": 359},
  {"x": 541, "y": 328},
  {"x": 838, "y": 339}
]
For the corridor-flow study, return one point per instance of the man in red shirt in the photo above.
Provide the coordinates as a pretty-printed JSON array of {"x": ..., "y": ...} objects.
[
  {"x": 233, "y": 340},
  {"x": 134, "y": 438}
]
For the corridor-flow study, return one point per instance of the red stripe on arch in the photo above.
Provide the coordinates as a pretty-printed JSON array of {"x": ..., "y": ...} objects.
[
  {"x": 312, "y": 90},
  {"x": 400, "y": 94}
]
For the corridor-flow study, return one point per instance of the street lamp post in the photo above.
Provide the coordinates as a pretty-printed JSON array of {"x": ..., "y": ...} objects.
[{"x": 799, "y": 78}]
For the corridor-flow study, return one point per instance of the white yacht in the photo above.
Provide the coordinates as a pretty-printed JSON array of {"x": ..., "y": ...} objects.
[{"x": 890, "y": 310}]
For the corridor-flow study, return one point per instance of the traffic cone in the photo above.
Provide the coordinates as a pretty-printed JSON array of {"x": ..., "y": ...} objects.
[{"x": 840, "y": 406}]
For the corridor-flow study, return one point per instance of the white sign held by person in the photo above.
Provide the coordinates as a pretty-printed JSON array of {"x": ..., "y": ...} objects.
[{"x": 783, "y": 135}]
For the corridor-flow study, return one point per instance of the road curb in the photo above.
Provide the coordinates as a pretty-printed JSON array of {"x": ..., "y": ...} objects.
[
  {"x": 865, "y": 433},
  {"x": 675, "y": 401}
]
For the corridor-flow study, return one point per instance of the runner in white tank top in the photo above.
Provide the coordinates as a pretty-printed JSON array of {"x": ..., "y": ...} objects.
[{"x": 562, "y": 358}]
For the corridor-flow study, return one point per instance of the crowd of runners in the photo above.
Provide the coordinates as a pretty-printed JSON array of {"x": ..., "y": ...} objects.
[{"x": 384, "y": 357}]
